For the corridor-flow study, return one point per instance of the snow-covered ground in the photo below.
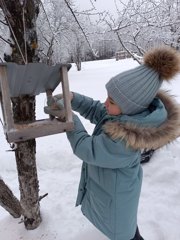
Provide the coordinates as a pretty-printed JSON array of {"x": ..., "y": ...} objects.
[{"x": 59, "y": 170}]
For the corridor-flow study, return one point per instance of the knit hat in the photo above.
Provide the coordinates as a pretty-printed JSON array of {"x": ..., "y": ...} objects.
[{"x": 135, "y": 89}]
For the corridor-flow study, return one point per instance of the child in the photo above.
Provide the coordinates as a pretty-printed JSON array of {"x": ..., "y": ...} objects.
[{"x": 135, "y": 116}]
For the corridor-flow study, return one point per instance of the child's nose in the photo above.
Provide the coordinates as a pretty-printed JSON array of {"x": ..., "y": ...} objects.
[{"x": 106, "y": 103}]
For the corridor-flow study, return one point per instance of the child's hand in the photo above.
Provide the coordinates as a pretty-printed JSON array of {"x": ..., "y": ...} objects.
[
  {"x": 55, "y": 106},
  {"x": 55, "y": 103},
  {"x": 60, "y": 96},
  {"x": 50, "y": 100},
  {"x": 59, "y": 104}
]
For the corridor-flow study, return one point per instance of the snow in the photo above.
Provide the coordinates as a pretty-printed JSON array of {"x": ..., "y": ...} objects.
[
  {"x": 59, "y": 171},
  {"x": 8, "y": 48}
]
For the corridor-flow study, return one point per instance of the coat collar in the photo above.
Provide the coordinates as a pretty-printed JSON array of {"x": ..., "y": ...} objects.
[{"x": 140, "y": 137}]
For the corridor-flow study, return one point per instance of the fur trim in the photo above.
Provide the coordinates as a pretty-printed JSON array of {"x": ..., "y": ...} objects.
[
  {"x": 145, "y": 137},
  {"x": 164, "y": 60}
]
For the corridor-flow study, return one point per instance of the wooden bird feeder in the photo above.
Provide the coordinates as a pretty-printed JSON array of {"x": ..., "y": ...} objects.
[{"x": 33, "y": 79}]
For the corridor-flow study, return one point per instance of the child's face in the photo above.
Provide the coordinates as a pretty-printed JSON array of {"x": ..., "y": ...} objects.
[{"x": 111, "y": 107}]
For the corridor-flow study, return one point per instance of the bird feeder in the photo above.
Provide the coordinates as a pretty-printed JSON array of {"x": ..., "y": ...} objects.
[{"x": 33, "y": 79}]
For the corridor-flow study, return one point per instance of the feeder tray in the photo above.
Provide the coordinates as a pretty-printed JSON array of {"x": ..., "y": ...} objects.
[{"x": 33, "y": 79}]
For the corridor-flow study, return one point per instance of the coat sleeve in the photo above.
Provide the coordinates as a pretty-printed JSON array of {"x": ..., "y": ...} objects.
[
  {"x": 87, "y": 107},
  {"x": 99, "y": 150}
]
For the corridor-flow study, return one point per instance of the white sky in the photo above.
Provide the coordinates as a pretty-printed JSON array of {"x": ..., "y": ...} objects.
[{"x": 107, "y": 5}]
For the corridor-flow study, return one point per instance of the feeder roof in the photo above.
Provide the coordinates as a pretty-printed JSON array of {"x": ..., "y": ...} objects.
[{"x": 32, "y": 78}]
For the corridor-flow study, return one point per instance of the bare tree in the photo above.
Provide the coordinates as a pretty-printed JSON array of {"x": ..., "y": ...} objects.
[
  {"x": 145, "y": 24},
  {"x": 63, "y": 32},
  {"x": 21, "y": 18},
  {"x": 53, "y": 29},
  {"x": 76, "y": 49}
]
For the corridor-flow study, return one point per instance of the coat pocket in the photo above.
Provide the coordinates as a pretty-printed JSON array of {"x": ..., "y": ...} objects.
[{"x": 99, "y": 200}]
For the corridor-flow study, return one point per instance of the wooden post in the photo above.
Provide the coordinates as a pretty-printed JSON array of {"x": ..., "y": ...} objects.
[
  {"x": 6, "y": 100},
  {"x": 65, "y": 86}
]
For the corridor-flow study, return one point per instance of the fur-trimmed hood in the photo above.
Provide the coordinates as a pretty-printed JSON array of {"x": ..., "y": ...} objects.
[{"x": 140, "y": 137}]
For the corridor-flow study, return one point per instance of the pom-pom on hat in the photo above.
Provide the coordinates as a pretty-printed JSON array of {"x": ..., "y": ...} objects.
[{"x": 135, "y": 89}]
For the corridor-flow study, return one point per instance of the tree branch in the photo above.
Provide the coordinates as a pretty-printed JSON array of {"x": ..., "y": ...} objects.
[
  {"x": 71, "y": 10},
  {"x": 123, "y": 45},
  {"x": 7, "y": 41},
  {"x": 4, "y": 23}
]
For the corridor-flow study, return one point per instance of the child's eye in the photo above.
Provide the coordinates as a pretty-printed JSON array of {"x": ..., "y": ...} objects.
[{"x": 111, "y": 101}]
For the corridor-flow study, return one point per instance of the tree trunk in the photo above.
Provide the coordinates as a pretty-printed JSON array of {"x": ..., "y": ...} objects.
[
  {"x": 21, "y": 17},
  {"x": 9, "y": 201},
  {"x": 78, "y": 65},
  {"x": 24, "y": 111}
]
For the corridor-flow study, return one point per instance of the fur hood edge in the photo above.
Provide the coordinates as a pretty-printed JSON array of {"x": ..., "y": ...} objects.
[{"x": 149, "y": 137}]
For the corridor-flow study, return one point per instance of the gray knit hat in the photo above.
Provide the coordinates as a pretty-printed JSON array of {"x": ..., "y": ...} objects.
[{"x": 135, "y": 89}]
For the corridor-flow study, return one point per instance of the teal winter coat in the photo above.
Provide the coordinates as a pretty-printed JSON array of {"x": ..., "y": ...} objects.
[{"x": 111, "y": 174}]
